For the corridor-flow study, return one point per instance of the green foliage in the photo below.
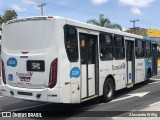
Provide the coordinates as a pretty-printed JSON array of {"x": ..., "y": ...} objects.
[
  {"x": 104, "y": 22},
  {"x": 8, "y": 15}
]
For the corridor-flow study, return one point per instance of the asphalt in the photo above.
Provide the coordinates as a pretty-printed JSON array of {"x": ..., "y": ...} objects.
[
  {"x": 158, "y": 74},
  {"x": 124, "y": 103}
]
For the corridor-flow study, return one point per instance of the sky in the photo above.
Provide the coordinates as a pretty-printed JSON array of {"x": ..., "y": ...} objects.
[{"x": 118, "y": 11}]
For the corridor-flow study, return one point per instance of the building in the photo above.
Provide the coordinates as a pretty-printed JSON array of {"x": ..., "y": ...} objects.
[
  {"x": 153, "y": 33},
  {"x": 138, "y": 31},
  {"x": 144, "y": 32}
]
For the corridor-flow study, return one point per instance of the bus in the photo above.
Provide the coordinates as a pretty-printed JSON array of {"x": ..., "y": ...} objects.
[
  {"x": 0, "y": 48},
  {"x": 151, "y": 57},
  {"x": 0, "y": 34},
  {"x": 0, "y": 40},
  {"x": 59, "y": 60}
]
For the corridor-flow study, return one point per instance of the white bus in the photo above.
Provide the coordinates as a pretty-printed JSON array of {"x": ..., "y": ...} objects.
[
  {"x": 0, "y": 49},
  {"x": 54, "y": 59},
  {"x": 0, "y": 34}
]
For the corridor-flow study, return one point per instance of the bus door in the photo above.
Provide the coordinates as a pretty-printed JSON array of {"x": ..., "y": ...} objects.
[
  {"x": 154, "y": 59},
  {"x": 130, "y": 61},
  {"x": 89, "y": 58}
]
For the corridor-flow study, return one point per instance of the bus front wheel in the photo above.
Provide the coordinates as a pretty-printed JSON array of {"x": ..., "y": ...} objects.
[{"x": 108, "y": 90}]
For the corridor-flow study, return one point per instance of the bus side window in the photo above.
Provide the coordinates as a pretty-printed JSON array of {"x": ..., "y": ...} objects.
[
  {"x": 119, "y": 47},
  {"x": 147, "y": 49},
  {"x": 139, "y": 48},
  {"x": 106, "y": 47},
  {"x": 71, "y": 43}
]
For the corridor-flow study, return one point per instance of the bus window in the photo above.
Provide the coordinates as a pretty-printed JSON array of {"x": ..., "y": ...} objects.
[
  {"x": 106, "y": 47},
  {"x": 147, "y": 49},
  {"x": 119, "y": 47},
  {"x": 71, "y": 43},
  {"x": 83, "y": 49},
  {"x": 129, "y": 52},
  {"x": 139, "y": 49}
]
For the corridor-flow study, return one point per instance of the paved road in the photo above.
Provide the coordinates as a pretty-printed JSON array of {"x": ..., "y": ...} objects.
[{"x": 139, "y": 98}]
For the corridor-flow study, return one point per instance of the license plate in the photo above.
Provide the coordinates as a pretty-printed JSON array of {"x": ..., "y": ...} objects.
[
  {"x": 25, "y": 79},
  {"x": 36, "y": 65}
]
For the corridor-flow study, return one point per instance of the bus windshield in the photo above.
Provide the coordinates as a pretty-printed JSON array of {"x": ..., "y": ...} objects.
[{"x": 28, "y": 35}]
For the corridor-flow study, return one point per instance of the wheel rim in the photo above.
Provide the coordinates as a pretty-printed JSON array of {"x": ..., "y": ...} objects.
[{"x": 109, "y": 90}]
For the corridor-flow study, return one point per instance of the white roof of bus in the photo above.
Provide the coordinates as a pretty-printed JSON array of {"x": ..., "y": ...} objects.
[
  {"x": 82, "y": 25},
  {"x": 103, "y": 29}
]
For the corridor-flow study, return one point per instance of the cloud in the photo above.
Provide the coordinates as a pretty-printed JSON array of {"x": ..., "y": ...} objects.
[
  {"x": 136, "y": 11},
  {"x": 18, "y": 8},
  {"x": 136, "y": 5},
  {"x": 99, "y": 2},
  {"x": 29, "y": 2}
]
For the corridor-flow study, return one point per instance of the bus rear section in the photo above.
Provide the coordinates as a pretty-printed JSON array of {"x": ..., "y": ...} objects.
[{"x": 30, "y": 60}]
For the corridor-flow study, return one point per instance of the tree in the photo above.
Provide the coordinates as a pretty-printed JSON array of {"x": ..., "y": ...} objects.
[
  {"x": 104, "y": 22},
  {"x": 8, "y": 15}
]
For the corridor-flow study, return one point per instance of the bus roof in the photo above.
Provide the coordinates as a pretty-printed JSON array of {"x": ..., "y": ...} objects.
[
  {"x": 152, "y": 39},
  {"x": 99, "y": 28},
  {"x": 78, "y": 24}
]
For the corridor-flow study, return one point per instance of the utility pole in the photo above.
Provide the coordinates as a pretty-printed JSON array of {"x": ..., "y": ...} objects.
[
  {"x": 41, "y": 6},
  {"x": 134, "y": 21},
  {"x": 134, "y": 26}
]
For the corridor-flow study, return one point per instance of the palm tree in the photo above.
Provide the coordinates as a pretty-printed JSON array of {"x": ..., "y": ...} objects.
[{"x": 104, "y": 22}]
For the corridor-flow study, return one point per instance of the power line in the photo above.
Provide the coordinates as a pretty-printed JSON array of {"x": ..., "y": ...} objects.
[{"x": 85, "y": 12}]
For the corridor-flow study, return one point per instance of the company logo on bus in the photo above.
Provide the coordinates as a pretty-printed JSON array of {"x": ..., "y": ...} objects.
[
  {"x": 24, "y": 77},
  {"x": 75, "y": 72},
  {"x": 122, "y": 66},
  {"x": 12, "y": 62}
]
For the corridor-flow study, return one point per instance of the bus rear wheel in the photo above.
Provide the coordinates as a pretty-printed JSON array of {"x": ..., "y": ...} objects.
[
  {"x": 148, "y": 77},
  {"x": 108, "y": 90}
]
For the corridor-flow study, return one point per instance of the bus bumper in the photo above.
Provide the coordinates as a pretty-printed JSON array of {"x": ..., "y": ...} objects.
[{"x": 45, "y": 95}]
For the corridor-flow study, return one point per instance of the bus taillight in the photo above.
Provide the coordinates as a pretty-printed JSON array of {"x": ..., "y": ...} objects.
[
  {"x": 50, "y": 16},
  {"x": 53, "y": 73},
  {"x": 3, "y": 73}
]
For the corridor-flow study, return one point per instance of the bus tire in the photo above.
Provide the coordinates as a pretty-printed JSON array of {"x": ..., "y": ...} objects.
[
  {"x": 108, "y": 90},
  {"x": 148, "y": 75}
]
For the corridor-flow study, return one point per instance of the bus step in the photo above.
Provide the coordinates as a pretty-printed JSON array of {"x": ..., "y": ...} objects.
[{"x": 130, "y": 85}]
